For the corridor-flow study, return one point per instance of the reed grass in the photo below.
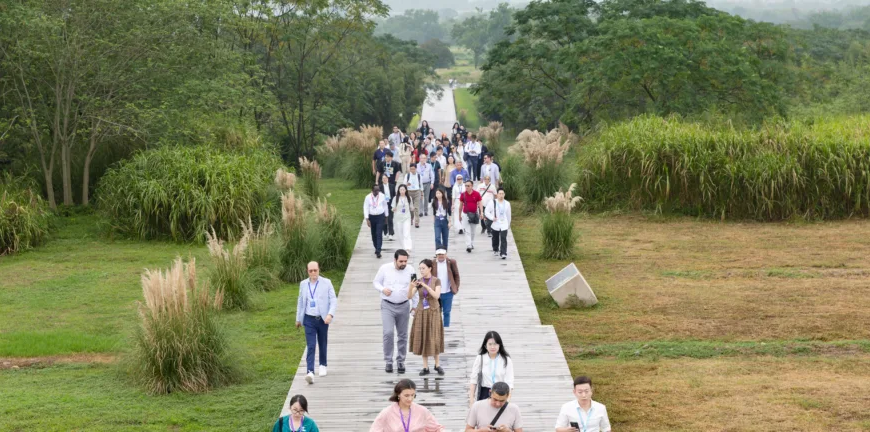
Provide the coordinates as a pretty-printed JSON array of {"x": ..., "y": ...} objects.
[
  {"x": 262, "y": 255},
  {"x": 334, "y": 246},
  {"x": 297, "y": 248},
  {"x": 543, "y": 172},
  {"x": 180, "y": 192},
  {"x": 557, "y": 227},
  {"x": 25, "y": 219},
  {"x": 179, "y": 345},
  {"x": 817, "y": 170},
  {"x": 491, "y": 135},
  {"x": 512, "y": 168},
  {"x": 311, "y": 173},
  {"x": 229, "y": 275}
]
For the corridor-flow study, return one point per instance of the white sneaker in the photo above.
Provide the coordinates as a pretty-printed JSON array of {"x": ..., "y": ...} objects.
[
  {"x": 309, "y": 378},
  {"x": 322, "y": 370}
]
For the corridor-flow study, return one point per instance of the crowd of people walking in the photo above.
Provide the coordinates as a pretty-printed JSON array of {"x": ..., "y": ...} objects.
[{"x": 459, "y": 181}]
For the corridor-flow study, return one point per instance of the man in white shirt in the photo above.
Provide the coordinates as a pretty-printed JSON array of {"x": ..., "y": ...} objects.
[
  {"x": 393, "y": 282},
  {"x": 583, "y": 414},
  {"x": 447, "y": 272},
  {"x": 472, "y": 155},
  {"x": 490, "y": 169},
  {"x": 427, "y": 177},
  {"x": 414, "y": 181},
  {"x": 374, "y": 211}
]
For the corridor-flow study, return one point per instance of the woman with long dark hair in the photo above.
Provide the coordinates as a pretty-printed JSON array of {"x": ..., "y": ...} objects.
[
  {"x": 492, "y": 364},
  {"x": 441, "y": 212},
  {"x": 403, "y": 415},
  {"x": 402, "y": 208},
  {"x": 424, "y": 128},
  {"x": 297, "y": 420}
]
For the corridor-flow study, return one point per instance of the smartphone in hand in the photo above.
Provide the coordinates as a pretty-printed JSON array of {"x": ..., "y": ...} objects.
[{"x": 575, "y": 425}]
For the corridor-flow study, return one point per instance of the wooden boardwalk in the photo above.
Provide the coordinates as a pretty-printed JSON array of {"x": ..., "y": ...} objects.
[{"x": 494, "y": 296}]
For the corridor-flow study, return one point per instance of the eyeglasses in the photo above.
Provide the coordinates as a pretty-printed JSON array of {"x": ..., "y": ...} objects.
[
  {"x": 296, "y": 412},
  {"x": 313, "y": 270}
]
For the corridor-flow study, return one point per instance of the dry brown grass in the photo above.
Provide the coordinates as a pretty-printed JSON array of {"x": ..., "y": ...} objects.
[
  {"x": 688, "y": 279},
  {"x": 292, "y": 211},
  {"x": 755, "y": 394}
]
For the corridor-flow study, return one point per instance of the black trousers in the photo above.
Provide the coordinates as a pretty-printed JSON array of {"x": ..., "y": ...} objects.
[
  {"x": 377, "y": 222},
  {"x": 499, "y": 241},
  {"x": 388, "y": 221}
]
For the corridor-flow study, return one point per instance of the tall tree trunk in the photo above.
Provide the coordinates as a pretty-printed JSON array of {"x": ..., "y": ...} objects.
[
  {"x": 86, "y": 170},
  {"x": 66, "y": 174}
]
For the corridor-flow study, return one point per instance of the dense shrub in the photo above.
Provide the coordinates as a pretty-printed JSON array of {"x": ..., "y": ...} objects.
[
  {"x": 179, "y": 344},
  {"x": 334, "y": 246},
  {"x": 24, "y": 216},
  {"x": 262, "y": 256},
  {"x": 180, "y": 192},
  {"x": 511, "y": 175},
  {"x": 349, "y": 155},
  {"x": 557, "y": 227},
  {"x": 816, "y": 171}
]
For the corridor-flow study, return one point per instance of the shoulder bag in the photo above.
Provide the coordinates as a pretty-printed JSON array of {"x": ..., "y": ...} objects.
[
  {"x": 479, "y": 379},
  {"x": 498, "y": 414}
]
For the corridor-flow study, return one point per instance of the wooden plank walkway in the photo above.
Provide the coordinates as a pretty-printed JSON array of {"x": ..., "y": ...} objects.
[{"x": 494, "y": 296}]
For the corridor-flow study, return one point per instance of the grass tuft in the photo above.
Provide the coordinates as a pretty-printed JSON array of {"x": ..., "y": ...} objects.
[{"x": 24, "y": 216}]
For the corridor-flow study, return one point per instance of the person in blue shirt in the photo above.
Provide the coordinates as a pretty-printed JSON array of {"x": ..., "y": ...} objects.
[
  {"x": 315, "y": 309},
  {"x": 297, "y": 420}
]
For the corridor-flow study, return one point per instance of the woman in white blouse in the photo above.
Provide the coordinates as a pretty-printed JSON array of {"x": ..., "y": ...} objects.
[
  {"x": 402, "y": 207},
  {"x": 499, "y": 212},
  {"x": 458, "y": 188},
  {"x": 487, "y": 192},
  {"x": 492, "y": 364}
]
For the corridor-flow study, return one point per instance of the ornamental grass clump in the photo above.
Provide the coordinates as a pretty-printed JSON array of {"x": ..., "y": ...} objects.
[
  {"x": 262, "y": 256},
  {"x": 230, "y": 273},
  {"x": 557, "y": 227},
  {"x": 310, "y": 173},
  {"x": 334, "y": 247},
  {"x": 179, "y": 345},
  {"x": 181, "y": 192},
  {"x": 783, "y": 170},
  {"x": 329, "y": 154},
  {"x": 357, "y": 150},
  {"x": 296, "y": 242},
  {"x": 543, "y": 173},
  {"x": 491, "y": 136},
  {"x": 25, "y": 218},
  {"x": 284, "y": 180}
]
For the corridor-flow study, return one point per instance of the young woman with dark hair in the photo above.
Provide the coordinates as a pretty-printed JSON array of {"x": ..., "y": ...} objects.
[
  {"x": 424, "y": 128},
  {"x": 492, "y": 364},
  {"x": 405, "y": 415},
  {"x": 441, "y": 212},
  {"x": 297, "y": 420},
  {"x": 427, "y": 333},
  {"x": 403, "y": 208}
]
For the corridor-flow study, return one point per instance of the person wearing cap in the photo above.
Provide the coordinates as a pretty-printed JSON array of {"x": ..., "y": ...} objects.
[{"x": 449, "y": 271}]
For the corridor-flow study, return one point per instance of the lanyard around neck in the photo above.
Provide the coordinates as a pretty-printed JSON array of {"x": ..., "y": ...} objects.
[
  {"x": 408, "y": 426},
  {"x": 293, "y": 426},
  {"x": 310, "y": 291},
  {"x": 580, "y": 416},
  {"x": 494, "y": 364}
]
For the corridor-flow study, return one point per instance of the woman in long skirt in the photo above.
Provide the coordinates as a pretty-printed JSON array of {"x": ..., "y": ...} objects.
[{"x": 427, "y": 334}]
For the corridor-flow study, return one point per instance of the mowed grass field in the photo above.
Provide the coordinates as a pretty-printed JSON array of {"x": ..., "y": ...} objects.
[
  {"x": 463, "y": 71},
  {"x": 708, "y": 326},
  {"x": 68, "y": 308}
]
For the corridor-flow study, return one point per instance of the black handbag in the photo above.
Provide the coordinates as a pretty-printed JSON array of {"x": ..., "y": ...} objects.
[{"x": 473, "y": 218}]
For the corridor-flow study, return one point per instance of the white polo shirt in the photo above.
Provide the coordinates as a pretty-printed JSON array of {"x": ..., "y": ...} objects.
[{"x": 595, "y": 419}]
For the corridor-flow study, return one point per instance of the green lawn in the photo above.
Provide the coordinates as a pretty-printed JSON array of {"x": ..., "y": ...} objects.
[
  {"x": 77, "y": 295},
  {"x": 466, "y": 101},
  {"x": 463, "y": 71}
]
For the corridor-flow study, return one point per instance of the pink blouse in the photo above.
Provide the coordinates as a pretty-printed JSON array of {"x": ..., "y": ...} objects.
[{"x": 422, "y": 420}]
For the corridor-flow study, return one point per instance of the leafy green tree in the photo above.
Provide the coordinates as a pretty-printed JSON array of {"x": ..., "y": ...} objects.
[
  {"x": 414, "y": 24},
  {"x": 440, "y": 52},
  {"x": 481, "y": 32}
]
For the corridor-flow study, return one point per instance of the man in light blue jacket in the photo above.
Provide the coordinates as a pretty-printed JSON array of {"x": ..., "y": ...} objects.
[{"x": 315, "y": 309}]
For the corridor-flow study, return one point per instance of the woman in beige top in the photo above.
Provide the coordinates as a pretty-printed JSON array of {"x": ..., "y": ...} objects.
[{"x": 405, "y": 150}]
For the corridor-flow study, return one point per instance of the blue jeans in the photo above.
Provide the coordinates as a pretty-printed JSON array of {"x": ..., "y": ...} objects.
[
  {"x": 315, "y": 333},
  {"x": 442, "y": 232},
  {"x": 473, "y": 171},
  {"x": 446, "y": 305}
]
